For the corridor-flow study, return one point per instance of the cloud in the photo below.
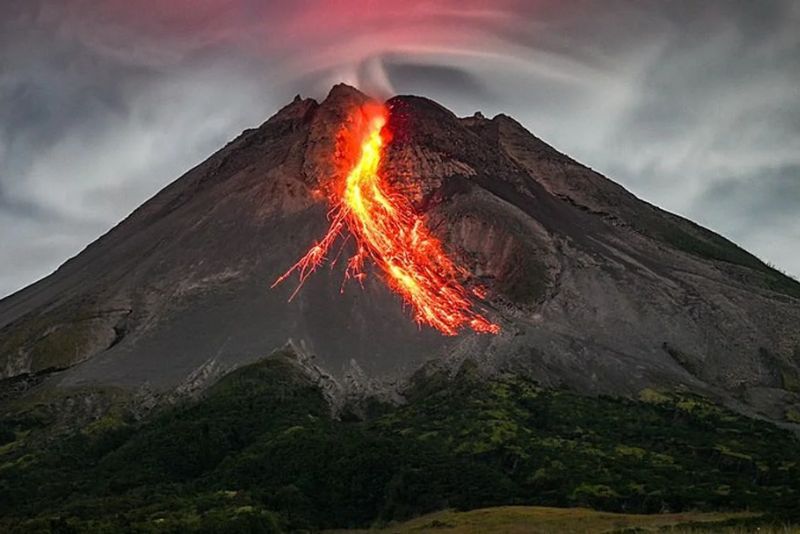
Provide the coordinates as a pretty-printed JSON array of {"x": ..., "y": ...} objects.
[
  {"x": 757, "y": 208},
  {"x": 87, "y": 134},
  {"x": 692, "y": 106}
]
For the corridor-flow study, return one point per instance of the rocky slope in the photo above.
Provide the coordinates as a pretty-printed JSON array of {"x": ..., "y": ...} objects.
[{"x": 594, "y": 289}]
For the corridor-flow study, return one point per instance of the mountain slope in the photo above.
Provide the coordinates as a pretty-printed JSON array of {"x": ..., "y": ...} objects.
[
  {"x": 594, "y": 289},
  {"x": 261, "y": 445}
]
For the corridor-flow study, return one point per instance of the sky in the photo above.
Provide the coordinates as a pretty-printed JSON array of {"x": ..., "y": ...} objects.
[{"x": 692, "y": 105}]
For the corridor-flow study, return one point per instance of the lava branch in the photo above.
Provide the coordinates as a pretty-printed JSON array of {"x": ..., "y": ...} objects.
[{"x": 388, "y": 231}]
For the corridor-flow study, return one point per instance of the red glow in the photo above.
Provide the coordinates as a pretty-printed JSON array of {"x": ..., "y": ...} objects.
[{"x": 389, "y": 232}]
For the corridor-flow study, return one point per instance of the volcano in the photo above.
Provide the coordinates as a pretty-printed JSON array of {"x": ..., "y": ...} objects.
[
  {"x": 590, "y": 287},
  {"x": 387, "y": 230}
]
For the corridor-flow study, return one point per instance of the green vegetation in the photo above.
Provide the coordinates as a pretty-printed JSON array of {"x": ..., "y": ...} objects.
[
  {"x": 709, "y": 245},
  {"x": 54, "y": 339},
  {"x": 537, "y": 519},
  {"x": 261, "y": 453},
  {"x": 706, "y": 244}
]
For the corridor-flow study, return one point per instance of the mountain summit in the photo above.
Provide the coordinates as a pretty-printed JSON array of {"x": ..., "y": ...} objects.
[{"x": 593, "y": 288}]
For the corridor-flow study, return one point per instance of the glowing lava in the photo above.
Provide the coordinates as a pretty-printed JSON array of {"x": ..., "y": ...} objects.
[{"x": 389, "y": 232}]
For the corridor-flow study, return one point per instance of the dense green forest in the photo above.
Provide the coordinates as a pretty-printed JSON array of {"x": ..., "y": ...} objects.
[{"x": 260, "y": 452}]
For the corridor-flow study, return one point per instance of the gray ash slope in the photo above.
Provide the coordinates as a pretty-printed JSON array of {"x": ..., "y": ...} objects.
[{"x": 595, "y": 289}]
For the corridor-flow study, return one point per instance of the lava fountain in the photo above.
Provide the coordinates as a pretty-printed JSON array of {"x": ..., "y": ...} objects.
[{"x": 389, "y": 232}]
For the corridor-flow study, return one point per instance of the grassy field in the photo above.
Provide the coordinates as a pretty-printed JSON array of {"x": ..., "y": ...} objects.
[{"x": 539, "y": 519}]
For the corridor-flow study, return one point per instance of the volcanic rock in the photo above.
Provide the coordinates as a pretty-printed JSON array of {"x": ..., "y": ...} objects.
[{"x": 594, "y": 289}]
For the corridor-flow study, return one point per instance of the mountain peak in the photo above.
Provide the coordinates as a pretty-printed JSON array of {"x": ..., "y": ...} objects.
[
  {"x": 343, "y": 91},
  {"x": 595, "y": 289},
  {"x": 298, "y": 108}
]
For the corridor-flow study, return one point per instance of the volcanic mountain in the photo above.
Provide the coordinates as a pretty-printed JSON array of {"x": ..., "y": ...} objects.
[{"x": 592, "y": 288}]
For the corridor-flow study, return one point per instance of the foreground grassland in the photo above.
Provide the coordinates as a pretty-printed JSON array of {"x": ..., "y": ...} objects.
[
  {"x": 544, "y": 520},
  {"x": 260, "y": 452}
]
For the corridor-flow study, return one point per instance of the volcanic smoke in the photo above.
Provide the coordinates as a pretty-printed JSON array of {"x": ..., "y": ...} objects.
[{"x": 388, "y": 231}]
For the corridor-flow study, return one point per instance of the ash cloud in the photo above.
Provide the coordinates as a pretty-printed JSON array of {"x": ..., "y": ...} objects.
[{"x": 693, "y": 106}]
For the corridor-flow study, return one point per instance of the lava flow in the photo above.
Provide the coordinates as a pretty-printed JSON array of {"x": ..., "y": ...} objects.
[{"x": 389, "y": 232}]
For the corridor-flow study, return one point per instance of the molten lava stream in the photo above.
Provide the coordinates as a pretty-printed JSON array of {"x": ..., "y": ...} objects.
[{"x": 389, "y": 232}]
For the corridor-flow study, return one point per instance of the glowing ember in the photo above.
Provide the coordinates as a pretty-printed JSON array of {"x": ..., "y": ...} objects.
[{"x": 388, "y": 231}]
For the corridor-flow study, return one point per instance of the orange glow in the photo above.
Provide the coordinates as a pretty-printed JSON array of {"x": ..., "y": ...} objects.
[{"x": 389, "y": 232}]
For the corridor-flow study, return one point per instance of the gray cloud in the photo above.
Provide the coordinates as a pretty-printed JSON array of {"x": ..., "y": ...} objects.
[
  {"x": 693, "y": 106},
  {"x": 428, "y": 79}
]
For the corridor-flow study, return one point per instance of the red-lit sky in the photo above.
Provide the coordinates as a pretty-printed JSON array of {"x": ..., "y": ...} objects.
[{"x": 692, "y": 105}]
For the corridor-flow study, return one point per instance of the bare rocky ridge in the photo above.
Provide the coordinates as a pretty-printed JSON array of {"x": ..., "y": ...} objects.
[{"x": 594, "y": 289}]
